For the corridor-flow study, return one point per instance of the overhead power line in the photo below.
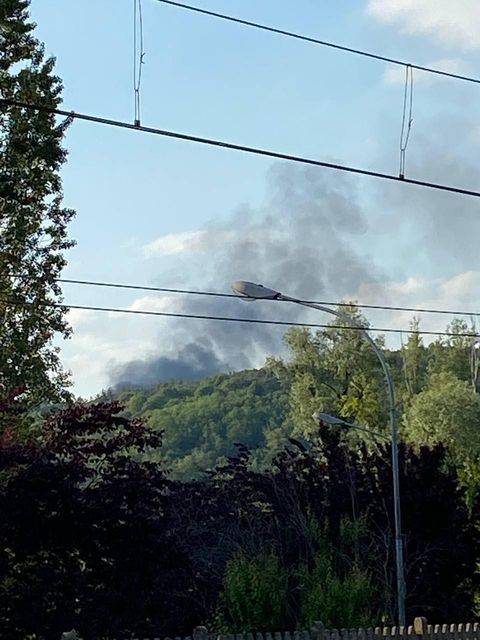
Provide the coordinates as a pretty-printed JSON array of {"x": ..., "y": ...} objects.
[
  {"x": 284, "y": 323},
  {"x": 323, "y": 43},
  {"x": 237, "y": 147},
  {"x": 196, "y": 292}
]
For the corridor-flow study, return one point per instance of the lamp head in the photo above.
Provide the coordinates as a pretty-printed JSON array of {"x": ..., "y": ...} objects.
[
  {"x": 326, "y": 418},
  {"x": 253, "y": 291}
]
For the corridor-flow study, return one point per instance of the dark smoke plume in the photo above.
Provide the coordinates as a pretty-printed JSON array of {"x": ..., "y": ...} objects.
[
  {"x": 194, "y": 361},
  {"x": 305, "y": 241}
]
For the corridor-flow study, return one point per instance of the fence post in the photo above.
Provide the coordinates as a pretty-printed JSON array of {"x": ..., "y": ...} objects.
[
  {"x": 200, "y": 633},
  {"x": 316, "y": 630},
  {"x": 420, "y": 626}
]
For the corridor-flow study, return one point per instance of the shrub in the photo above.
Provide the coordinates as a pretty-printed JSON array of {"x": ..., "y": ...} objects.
[{"x": 255, "y": 593}]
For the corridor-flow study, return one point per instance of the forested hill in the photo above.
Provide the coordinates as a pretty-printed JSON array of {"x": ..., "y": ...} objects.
[
  {"x": 336, "y": 371},
  {"x": 203, "y": 420}
]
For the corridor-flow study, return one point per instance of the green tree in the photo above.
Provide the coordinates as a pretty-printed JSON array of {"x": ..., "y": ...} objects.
[
  {"x": 414, "y": 362},
  {"x": 33, "y": 223},
  {"x": 452, "y": 353},
  {"x": 336, "y": 371},
  {"x": 447, "y": 412}
]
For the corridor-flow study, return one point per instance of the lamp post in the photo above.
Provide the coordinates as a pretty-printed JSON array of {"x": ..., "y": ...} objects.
[
  {"x": 474, "y": 363},
  {"x": 251, "y": 291}
]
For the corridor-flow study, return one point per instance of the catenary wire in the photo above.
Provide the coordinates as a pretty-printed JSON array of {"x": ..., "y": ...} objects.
[
  {"x": 138, "y": 56},
  {"x": 407, "y": 119},
  {"x": 237, "y": 147},
  {"x": 323, "y": 43},
  {"x": 197, "y": 316},
  {"x": 117, "y": 285}
]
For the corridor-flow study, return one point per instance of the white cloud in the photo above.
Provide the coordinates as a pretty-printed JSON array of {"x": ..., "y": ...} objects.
[
  {"x": 395, "y": 75},
  {"x": 156, "y": 303},
  {"x": 101, "y": 340},
  {"x": 78, "y": 317},
  {"x": 174, "y": 243},
  {"x": 185, "y": 242},
  {"x": 455, "y": 292},
  {"x": 458, "y": 292},
  {"x": 463, "y": 287},
  {"x": 455, "y": 23},
  {"x": 410, "y": 286}
]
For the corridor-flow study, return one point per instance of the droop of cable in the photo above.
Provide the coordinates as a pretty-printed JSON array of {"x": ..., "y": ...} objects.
[
  {"x": 197, "y": 316},
  {"x": 219, "y": 294},
  {"x": 74, "y": 115},
  {"x": 316, "y": 41}
]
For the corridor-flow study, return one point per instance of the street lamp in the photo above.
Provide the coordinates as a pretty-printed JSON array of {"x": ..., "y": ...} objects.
[
  {"x": 335, "y": 421},
  {"x": 251, "y": 291}
]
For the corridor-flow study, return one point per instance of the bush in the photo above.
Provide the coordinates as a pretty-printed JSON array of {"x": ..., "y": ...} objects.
[
  {"x": 255, "y": 593},
  {"x": 338, "y": 601}
]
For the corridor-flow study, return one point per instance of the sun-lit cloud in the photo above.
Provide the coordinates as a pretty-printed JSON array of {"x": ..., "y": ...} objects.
[
  {"x": 78, "y": 317},
  {"x": 455, "y": 24},
  {"x": 157, "y": 303},
  {"x": 412, "y": 285},
  {"x": 184, "y": 242},
  {"x": 104, "y": 341},
  {"x": 456, "y": 292},
  {"x": 463, "y": 287},
  {"x": 174, "y": 243}
]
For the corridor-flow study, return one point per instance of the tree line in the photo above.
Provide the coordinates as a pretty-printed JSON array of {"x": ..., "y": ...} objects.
[{"x": 334, "y": 371}]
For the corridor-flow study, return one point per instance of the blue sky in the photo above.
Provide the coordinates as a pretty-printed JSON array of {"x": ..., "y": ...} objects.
[{"x": 165, "y": 212}]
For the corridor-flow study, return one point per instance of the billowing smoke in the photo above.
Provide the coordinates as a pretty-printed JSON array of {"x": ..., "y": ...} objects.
[
  {"x": 310, "y": 240},
  {"x": 306, "y": 241},
  {"x": 193, "y": 361}
]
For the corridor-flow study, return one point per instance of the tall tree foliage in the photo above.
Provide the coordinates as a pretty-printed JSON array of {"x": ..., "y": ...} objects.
[
  {"x": 447, "y": 411},
  {"x": 452, "y": 353},
  {"x": 414, "y": 363},
  {"x": 336, "y": 371},
  {"x": 33, "y": 222}
]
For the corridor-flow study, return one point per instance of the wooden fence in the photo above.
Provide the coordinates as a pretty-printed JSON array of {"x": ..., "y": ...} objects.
[{"x": 420, "y": 630}]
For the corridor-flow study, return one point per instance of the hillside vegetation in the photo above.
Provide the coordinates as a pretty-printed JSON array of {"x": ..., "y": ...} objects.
[{"x": 203, "y": 420}]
